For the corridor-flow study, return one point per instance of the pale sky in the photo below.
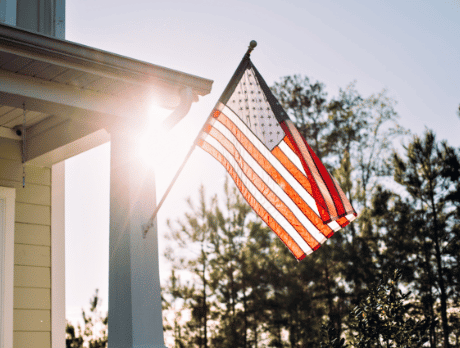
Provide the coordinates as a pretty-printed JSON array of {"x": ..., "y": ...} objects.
[{"x": 412, "y": 48}]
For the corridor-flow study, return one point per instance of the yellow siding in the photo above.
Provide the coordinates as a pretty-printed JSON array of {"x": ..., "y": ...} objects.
[
  {"x": 32, "y": 254},
  {"x": 10, "y": 149},
  {"x": 23, "y": 339},
  {"x": 33, "y": 214},
  {"x": 31, "y": 320},
  {"x": 11, "y": 169},
  {"x": 27, "y": 276},
  {"x": 32, "y": 234},
  {"x": 31, "y": 298},
  {"x": 31, "y": 193}
]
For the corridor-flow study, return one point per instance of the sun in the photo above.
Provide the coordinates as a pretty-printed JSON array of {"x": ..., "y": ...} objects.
[{"x": 157, "y": 146}]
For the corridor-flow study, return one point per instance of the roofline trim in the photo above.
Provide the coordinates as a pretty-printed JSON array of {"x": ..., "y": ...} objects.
[{"x": 99, "y": 62}]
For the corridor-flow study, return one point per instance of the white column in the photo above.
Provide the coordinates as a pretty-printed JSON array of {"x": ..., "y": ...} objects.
[
  {"x": 135, "y": 317},
  {"x": 58, "y": 322}
]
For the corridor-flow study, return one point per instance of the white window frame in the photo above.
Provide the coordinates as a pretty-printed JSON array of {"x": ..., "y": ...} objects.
[{"x": 7, "y": 209}]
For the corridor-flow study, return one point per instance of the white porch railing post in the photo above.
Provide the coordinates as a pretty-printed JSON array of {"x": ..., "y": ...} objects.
[{"x": 135, "y": 316}]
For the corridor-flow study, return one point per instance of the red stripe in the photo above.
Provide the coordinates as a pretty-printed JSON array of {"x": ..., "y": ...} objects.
[
  {"x": 316, "y": 192},
  {"x": 343, "y": 221},
  {"x": 264, "y": 215},
  {"x": 348, "y": 207},
  {"x": 298, "y": 175},
  {"x": 276, "y": 176},
  {"x": 265, "y": 189},
  {"x": 325, "y": 176}
]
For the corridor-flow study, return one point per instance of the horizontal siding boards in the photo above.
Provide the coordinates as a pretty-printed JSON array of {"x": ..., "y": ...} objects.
[
  {"x": 38, "y": 175},
  {"x": 10, "y": 149},
  {"x": 31, "y": 320},
  {"x": 32, "y": 298},
  {"x": 29, "y": 276},
  {"x": 31, "y": 193},
  {"x": 23, "y": 339},
  {"x": 11, "y": 169},
  {"x": 34, "y": 194},
  {"x": 33, "y": 214},
  {"x": 32, "y": 255},
  {"x": 32, "y": 234}
]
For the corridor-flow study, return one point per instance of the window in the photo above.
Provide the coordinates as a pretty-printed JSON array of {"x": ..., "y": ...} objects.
[{"x": 7, "y": 201}]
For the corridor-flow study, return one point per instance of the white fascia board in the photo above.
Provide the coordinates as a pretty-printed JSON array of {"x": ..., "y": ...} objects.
[{"x": 99, "y": 62}]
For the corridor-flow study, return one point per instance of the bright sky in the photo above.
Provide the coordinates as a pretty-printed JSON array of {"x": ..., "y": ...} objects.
[{"x": 409, "y": 47}]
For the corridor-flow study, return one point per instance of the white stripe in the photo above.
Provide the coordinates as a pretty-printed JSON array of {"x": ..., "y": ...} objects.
[
  {"x": 268, "y": 180},
  {"x": 276, "y": 215},
  {"x": 292, "y": 156},
  {"x": 350, "y": 217},
  {"x": 334, "y": 225},
  {"x": 274, "y": 161}
]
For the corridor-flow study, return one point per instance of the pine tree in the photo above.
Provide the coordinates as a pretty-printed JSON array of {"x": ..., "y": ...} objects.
[{"x": 424, "y": 177}]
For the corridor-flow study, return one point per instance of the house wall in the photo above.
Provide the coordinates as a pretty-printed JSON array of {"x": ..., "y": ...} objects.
[{"x": 32, "y": 254}]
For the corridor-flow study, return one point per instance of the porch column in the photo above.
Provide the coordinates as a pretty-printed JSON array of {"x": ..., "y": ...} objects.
[{"x": 135, "y": 317}]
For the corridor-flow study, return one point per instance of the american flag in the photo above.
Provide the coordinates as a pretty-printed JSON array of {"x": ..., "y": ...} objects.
[{"x": 272, "y": 165}]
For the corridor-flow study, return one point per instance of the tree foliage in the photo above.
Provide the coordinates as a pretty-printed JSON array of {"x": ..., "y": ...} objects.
[
  {"x": 94, "y": 332},
  {"x": 244, "y": 289}
]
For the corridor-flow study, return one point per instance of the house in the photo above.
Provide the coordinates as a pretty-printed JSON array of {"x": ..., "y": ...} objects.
[{"x": 58, "y": 99}]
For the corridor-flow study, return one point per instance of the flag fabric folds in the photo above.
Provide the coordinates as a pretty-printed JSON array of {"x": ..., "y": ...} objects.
[{"x": 272, "y": 165}]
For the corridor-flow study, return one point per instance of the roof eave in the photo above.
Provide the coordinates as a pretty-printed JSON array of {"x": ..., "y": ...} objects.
[{"x": 99, "y": 62}]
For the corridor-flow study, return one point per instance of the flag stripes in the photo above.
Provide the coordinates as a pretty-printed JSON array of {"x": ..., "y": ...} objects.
[
  {"x": 273, "y": 182},
  {"x": 276, "y": 175},
  {"x": 272, "y": 165},
  {"x": 267, "y": 185},
  {"x": 288, "y": 236}
]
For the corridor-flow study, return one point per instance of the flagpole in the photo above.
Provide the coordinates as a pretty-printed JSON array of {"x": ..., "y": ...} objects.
[{"x": 234, "y": 79}]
